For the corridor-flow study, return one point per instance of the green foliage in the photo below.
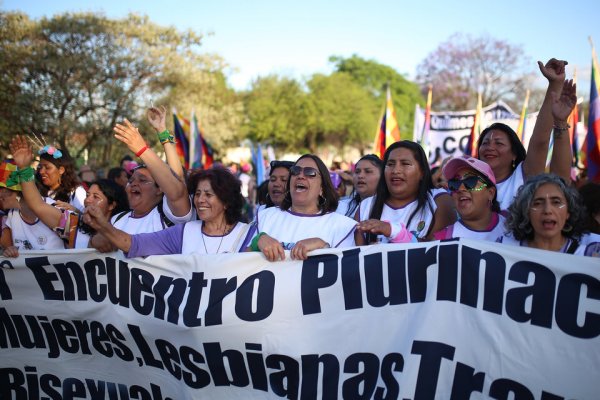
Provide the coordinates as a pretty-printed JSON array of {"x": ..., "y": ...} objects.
[
  {"x": 73, "y": 76},
  {"x": 374, "y": 77}
]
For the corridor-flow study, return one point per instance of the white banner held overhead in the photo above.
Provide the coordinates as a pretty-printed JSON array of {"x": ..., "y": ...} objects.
[
  {"x": 450, "y": 130},
  {"x": 439, "y": 320}
]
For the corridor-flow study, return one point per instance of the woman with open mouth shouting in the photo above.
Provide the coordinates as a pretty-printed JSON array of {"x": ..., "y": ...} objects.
[
  {"x": 405, "y": 199},
  {"x": 547, "y": 214},
  {"x": 306, "y": 219},
  {"x": 472, "y": 184}
]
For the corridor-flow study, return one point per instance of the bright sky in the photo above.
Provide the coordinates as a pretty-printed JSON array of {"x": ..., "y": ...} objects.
[{"x": 296, "y": 38}]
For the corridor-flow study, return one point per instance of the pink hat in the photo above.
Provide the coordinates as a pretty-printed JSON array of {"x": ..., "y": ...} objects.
[
  {"x": 465, "y": 161},
  {"x": 129, "y": 166}
]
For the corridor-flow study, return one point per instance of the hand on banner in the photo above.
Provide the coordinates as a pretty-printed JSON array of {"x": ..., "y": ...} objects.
[
  {"x": 11, "y": 252},
  {"x": 271, "y": 248},
  {"x": 302, "y": 247},
  {"x": 554, "y": 70},
  {"x": 563, "y": 103},
  {"x": 157, "y": 117},
  {"x": 375, "y": 226},
  {"x": 21, "y": 151},
  {"x": 130, "y": 135}
]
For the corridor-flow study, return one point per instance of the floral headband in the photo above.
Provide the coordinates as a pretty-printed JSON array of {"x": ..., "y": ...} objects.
[{"x": 53, "y": 151}]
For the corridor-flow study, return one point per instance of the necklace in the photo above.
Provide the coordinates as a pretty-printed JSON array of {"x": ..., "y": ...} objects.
[{"x": 220, "y": 241}]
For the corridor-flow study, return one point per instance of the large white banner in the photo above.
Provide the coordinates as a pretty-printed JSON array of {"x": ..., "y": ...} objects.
[
  {"x": 440, "y": 320},
  {"x": 449, "y": 130}
]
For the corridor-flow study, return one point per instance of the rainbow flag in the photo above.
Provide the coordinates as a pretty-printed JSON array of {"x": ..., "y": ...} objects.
[
  {"x": 471, "y": 148},
  {"x": 182, "y": 144},
  {"x": 593, "y": 133},
  {"x": 521, "y": 127},
  {"x": 388, "y": 131}
]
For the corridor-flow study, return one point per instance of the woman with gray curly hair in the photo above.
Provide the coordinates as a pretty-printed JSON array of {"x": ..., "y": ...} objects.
[{"x": 546, "y": 214}]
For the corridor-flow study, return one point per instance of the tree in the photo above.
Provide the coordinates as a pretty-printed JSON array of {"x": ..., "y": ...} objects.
[
  {"x": 340, "y": 112},
  {"x": 463, "y": 65},
  {"x": 275, "y": 112},
  {"x": 70, "y": 78},
  {"x": 375, "y": 77}
]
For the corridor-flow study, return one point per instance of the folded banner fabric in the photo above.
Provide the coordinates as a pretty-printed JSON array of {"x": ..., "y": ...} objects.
[{"x": 439, "y": 320}]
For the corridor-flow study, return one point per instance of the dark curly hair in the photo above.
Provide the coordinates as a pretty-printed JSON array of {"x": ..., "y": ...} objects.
[
  {"x": 331, "y": 198},
  {"x": 225, "y": 185},
  {"x": 68, "y": 180},
  {"x": 516, "y": 146},
  {"x": 518, "y": 222}
]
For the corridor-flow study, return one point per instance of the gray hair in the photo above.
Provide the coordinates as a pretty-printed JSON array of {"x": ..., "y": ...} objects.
[{"x": 518, "y": 222}]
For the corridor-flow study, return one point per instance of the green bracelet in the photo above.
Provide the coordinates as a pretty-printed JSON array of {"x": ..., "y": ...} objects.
[
  {"x": 166, "y": 137},
  {"x": 20, "y": 175},
  {"x": 254, "y": 243}
]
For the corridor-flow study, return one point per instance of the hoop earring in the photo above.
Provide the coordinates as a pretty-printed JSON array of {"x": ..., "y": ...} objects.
[{"x": 567, "y": 228}]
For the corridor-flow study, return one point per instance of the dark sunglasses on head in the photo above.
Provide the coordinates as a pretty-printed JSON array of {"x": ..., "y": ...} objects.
[
  {"x": 308, "y": 172},
  {"x": 470, "y": 182},
  {"x": 281, "y": 164}
]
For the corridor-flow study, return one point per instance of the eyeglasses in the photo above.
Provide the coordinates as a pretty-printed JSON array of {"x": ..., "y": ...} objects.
[
  {"x": 470, "y": 182},
  {"x": 308, "y": 172}
]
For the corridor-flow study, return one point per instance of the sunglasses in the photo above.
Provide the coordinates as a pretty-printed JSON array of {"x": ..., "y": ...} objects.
[
  {"x": 469, "y": 182},
  {"x": 308, "y": 172}
]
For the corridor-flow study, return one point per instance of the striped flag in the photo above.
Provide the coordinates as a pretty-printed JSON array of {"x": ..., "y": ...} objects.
[
  {"x": 593, "y": 133},
  {"x": 521, "y": 127},
  {"x": 471, "y": 148},
  {"x": 182, "y": 144},
  {"x": 388, "y": 131},
  {"x": 195, "y": 153}
]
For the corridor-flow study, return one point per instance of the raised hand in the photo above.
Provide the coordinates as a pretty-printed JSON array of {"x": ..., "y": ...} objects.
[
  {"x": 130, "y": 135},
  {"x": 157, "y": 117},
  {"x": 95, "y": 218},
  {"x": 21, "y": 151},
  {"x": 563, "y": 104},
  {"x": 553, "y": 70}
]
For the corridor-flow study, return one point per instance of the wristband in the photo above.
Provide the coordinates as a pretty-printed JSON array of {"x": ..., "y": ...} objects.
[
  {"x": 142, "y": 150},
  {"x": 558, "y": 128},
  {"x": 254, "y": 243},
  {"x": 20, "y": 175},
  {"x": 166, "y": 137}
]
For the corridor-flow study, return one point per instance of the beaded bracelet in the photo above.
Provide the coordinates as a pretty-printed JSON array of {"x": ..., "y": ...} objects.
[{"x": 166, "y": 137}]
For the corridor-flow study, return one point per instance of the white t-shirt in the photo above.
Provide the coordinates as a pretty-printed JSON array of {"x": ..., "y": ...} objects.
[
  {"x": 419, "y": 226},
  {"x": 150, "y": 222},
  {"x": 460, "y": 230},
  {"x": 508, "y": 188},
  {"x": 194, "y": 241},
  {"x": 581, "y": 250},
  {"x": 36, "y": 236},
  {"x": 288, "y": 227}
]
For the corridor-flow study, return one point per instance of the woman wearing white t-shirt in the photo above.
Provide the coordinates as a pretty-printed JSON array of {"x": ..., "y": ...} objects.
[
  {"x": 306, "y": 220},
  {"x": 405, "y": 199},
  {"x": 472, "y": 185},
  {"x": 218, "y": 202},
  {"x": 500, "y": 146}
]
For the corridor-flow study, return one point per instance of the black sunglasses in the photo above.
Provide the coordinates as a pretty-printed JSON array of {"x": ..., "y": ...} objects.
[
  {"x": 281, "y": 164},
  {"x": 470, "y": 182},
  {"x": 308, "y": 172}
]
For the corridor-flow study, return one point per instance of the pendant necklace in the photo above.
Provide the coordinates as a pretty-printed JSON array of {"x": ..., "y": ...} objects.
[{"x": 220, "y": 241}]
